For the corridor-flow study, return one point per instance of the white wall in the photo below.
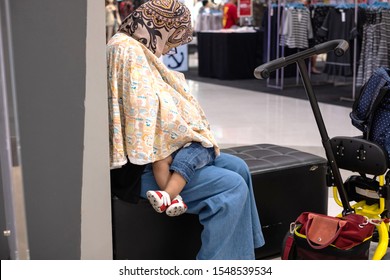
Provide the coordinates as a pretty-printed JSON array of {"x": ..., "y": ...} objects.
[
  {"x": 96, "y": 241},
  {"x": 60, "y": 77}
]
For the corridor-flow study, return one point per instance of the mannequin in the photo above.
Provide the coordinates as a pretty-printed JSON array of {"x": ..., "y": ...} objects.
[{"x": 113, "y": 19}]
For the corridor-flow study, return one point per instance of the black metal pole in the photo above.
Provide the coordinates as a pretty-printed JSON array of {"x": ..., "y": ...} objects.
[{"x": 324, "y": 136}]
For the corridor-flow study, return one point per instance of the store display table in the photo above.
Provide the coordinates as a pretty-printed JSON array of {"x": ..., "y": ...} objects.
[{"x": 229, "y": 55}]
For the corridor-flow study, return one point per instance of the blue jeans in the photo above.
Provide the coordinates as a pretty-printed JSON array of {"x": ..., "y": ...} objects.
[
  {"x": 222, "y": 195},
  {"x": 188, "y": 159}
]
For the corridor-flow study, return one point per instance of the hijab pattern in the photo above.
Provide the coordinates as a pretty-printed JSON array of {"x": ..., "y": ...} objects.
[{"x": 159, "y": 25}]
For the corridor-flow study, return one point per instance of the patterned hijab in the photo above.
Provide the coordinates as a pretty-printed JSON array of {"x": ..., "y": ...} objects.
[{"x": 160, "y": 25}]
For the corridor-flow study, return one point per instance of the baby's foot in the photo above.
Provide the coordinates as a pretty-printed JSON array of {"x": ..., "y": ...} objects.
[
  {"x": 177, "y": 207},
  {"x": 159, "y": 200}
]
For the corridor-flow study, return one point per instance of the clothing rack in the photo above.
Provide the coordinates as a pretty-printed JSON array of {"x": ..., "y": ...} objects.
[
  {"x": 359, "y": 80},
  {"x": 280, "y": 48},
  {"x": 375, "y": 40},
  {"x": 354, "y": 63},
  {"x": 280, "y": 52},
  {"x": 279, "y": 73}
]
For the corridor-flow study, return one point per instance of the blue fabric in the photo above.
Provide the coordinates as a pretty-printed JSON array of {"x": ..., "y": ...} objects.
[
  {"x": 377, "y": 129},
  {"x": 190, "y": 158},
  {"x": 379, "y": 79},
  {"x": 380, "y": 129},
  {"x": 222, "y": 195}
]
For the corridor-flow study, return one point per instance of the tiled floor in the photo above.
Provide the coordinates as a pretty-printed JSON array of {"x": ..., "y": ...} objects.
[{"x": 242, "y": 117}]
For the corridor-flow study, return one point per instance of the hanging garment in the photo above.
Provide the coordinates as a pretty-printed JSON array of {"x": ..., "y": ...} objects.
[
  {"x": 338, "y": 24},
  {"x": 296, "y": 29},
  {"x": 375, "y": 51},
  {"x": 269, "y": 25},
  {"x": 271, "y": 45},
  {"x": 318, "y": 14}
]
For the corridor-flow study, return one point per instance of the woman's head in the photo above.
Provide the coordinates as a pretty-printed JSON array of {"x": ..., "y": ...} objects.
[{"x": 160, "y": 25}]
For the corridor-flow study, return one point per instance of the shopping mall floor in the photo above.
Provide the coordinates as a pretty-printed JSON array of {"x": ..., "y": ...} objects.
[{"x": 243, "y": 117}]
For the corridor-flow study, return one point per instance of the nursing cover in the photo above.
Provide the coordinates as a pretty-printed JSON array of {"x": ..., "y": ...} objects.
[{"x": 152, "y": 112}]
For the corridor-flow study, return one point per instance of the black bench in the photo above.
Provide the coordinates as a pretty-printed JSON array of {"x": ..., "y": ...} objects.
[{"x": 286, "y": 182}]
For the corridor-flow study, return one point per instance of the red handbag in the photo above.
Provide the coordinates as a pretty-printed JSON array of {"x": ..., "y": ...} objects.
[{"x": 318, "y": 236}]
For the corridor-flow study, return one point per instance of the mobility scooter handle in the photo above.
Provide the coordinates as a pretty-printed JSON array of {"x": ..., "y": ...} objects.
[{"x": 338, "y": 46}]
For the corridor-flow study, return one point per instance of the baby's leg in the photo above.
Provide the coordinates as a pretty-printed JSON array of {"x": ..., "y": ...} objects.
[
  {"x": 184, "y": 164},
  {"x": 161, "y": 171},
  {"x": 168, "y": 198},
  {"x": 175, "y": 185}
]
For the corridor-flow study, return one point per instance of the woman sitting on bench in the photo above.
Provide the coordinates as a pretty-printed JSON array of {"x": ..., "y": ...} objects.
[{"x": 153, "y": 115}]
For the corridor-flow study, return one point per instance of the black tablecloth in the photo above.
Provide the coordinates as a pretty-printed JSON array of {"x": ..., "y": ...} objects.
[{"x": 226, "y": 55}]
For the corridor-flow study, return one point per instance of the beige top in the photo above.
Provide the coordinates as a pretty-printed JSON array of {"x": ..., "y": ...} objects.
[{"x": 152, "y": 112}]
